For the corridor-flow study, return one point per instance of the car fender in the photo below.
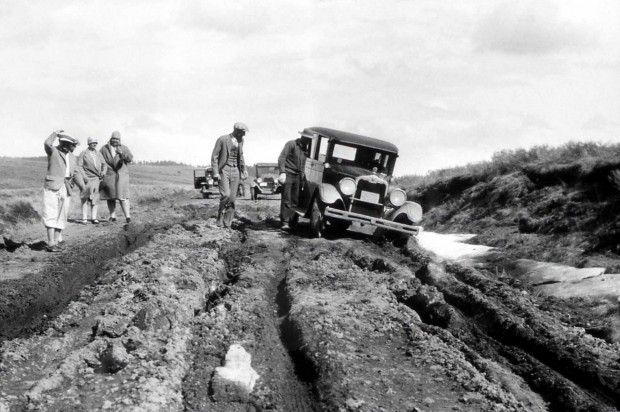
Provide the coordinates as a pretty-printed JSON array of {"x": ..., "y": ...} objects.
[
  {"x": 328, "y": 194},
  {"x": 412, "y": 210}
]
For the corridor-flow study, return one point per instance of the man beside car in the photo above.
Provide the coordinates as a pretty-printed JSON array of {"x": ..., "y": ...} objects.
[
  {"x": 291, "y": 163},
  {"x": 229, "y": 168}
]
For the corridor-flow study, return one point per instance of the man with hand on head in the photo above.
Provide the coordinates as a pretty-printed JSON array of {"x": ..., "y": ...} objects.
[
  {"x": 62, "y": 174},
  {"x": 115, "y": 183},
  {"x": 229, "y": 168},
  {"x": 291, "y": 163}
]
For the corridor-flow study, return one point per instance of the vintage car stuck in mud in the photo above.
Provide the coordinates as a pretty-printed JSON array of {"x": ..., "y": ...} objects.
[
  {"x": 347, "y": 179},
  {"x": 203, "y": 180},
  {"x": 265, "y": 181}
]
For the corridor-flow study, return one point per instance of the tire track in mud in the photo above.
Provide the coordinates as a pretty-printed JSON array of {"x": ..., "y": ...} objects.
[
  {"x": 370, "y": 352},
  {"x": 571, "y": 370},
  {"x": 122, "y": 344},
  {"x": 26, "y": 305},
  {"x": 248, "y": 308}
]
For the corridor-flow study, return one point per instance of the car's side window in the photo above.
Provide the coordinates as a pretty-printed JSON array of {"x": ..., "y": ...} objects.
[
  {"x": 322, "y": 152},
  {"x": 313, "y": 147}
]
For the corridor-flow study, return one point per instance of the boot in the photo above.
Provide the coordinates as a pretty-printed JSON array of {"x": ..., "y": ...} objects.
[{"x": 229, "y": 214}]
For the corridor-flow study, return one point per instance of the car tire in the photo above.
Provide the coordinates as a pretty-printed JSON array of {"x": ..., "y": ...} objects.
[
  {"x": 205, "y": 195},
  {"x": 400, "y": 240},
  {"x": 317, "y": 222},
  {"x": 337, "y": 226},
  {"x": 294, "y": 220}
]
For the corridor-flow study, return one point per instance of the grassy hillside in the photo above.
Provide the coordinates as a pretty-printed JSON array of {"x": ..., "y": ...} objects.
[
  {"x": 21, "y": 187},
  {"x": 29, "y": 173},
  {"x": 557, "y": 204}
]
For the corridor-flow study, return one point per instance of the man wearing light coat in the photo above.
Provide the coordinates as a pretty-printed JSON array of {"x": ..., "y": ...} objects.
[{"x": 62, "y": 175}]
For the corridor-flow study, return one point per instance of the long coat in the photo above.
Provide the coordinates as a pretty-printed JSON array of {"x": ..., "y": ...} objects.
[
  {"x": 115, "y": 184},
  {"x": 57, "y": 166},
  {"x": 93, "y": 169}
]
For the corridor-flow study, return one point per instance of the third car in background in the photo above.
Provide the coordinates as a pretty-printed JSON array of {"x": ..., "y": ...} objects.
[{"x": 266, "y": 180}]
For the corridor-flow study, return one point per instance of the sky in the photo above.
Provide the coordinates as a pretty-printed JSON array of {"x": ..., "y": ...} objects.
[{"x": 450, "y": 83}]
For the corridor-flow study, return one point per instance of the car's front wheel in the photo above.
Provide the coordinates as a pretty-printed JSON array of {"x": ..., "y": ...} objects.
[
  {"x": 294, "y": 220},
  {"x": 317, "y": 222},
  {"x": 337, "y": 226}
]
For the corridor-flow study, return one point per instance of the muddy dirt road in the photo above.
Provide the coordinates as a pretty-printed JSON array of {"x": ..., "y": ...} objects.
[{"x": 141, "y": 317}]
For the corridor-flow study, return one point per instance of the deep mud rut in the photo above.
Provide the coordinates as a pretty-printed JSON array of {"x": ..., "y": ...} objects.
[{"x": 331, "y": 325}]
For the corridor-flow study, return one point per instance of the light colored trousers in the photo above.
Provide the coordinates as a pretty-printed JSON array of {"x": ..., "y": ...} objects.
[
  {"x": 229, "y": 179},
  {"x": 55, "y": 207}
]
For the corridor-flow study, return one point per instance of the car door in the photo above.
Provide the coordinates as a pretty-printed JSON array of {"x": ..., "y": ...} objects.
[{"x": 313, "y": 170}]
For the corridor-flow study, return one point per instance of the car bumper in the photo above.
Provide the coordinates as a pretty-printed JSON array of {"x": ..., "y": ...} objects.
[{"x": 367, "y": 220}]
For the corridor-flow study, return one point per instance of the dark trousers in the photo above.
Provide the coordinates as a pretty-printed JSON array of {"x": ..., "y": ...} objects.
[
  {"x": 228, "y": 184},
  {"x": 290, "y": 197}
]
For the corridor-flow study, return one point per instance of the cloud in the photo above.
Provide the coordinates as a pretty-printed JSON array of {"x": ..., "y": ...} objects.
[
  {"x": 239, "y": 19},
  {"x": 529, "y": 28},
  {"x": 599, "y": 123}
]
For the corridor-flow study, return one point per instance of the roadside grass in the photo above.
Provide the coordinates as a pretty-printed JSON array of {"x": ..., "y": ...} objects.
[
  {"x": 578, "y": 158},
  {"x": 568, "y": 195},
  {"x": 21, "y": 189}
]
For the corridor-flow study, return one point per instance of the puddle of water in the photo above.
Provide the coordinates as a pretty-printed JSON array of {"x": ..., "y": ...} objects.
[{"x": 451, "y": 246}]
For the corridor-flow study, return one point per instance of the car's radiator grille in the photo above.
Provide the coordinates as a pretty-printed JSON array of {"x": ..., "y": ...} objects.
[
  {"x": 369, "y": 198},
  {"x": 269, "y": 182}
]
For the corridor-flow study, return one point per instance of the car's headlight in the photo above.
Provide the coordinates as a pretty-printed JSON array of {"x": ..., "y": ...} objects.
[
  {"x": 210, "y": 181},
  {"x": 347, "y": 186},
  {"x": 398, "y": 197},
  {"x": 259, "y": 179}
]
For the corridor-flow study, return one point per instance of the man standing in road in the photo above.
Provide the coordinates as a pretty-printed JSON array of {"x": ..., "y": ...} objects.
[
  {"x": 229, "y": 168},
  {"x": 62, "y": 174},
  {"x": 291, "y": 163}
]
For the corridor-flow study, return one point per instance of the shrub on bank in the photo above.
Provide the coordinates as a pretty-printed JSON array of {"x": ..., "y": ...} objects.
[{"x": 571, "y": 189}]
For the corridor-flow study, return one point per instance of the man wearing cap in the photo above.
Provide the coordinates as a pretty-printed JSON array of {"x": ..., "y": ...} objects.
[
  {"x": 115, "y": 183},
  {"x": 92, "y": 167},
  {"x": 291, "y": 163},
  {"x": 229, "y": 168},
  {"x": 62, "y": 174}
]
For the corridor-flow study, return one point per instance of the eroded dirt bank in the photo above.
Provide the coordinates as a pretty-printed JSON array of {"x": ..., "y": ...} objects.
[{"x": 339, "y": 324}]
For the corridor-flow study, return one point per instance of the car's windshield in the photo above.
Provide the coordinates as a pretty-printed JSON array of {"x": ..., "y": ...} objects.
[
  {"x": 265, "y": 170},
  {"x": 365, "y": 157}
]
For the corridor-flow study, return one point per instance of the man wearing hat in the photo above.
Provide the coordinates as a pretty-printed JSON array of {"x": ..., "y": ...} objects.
[
  {"x": 92, "y": 168},
  {"x": 62, "y": 174},
  {"x": 229, "y": 168},
  {"x": 291, "y": 162},
  {"x": 115, "y": 183}
]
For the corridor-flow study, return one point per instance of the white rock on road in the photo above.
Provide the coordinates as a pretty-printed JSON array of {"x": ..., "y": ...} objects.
[{"x": 236, "y": 379}]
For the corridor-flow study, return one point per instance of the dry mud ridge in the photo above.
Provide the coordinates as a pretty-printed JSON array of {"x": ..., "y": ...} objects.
[{"x": 141, "y": 317}]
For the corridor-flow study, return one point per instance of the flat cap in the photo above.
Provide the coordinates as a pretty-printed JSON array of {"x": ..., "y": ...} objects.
[
  {"x": 116, "y": 135},
  {"x": 63, "y": 137},
  {"x": 241, "y": 126},
  {"x": 92, "y": 140}
]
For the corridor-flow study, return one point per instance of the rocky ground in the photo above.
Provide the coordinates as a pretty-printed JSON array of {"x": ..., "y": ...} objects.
[{"x": 142, "y": 316}]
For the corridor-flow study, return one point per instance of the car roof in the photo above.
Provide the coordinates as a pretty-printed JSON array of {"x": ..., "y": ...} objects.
[
  {"x": 266, "y": 164},
  {"x": 351, "y": 138}
]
